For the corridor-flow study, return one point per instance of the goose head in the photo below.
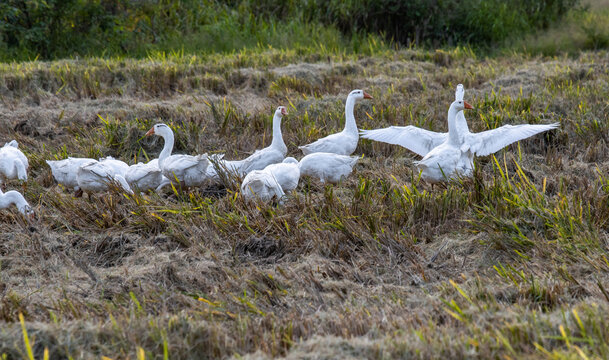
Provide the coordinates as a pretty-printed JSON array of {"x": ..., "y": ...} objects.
[
  {"x": 459, "y": 105},
  {"x": 359, "y": 94},
  {"x": 160, "y": 130},
  {"x": 281, "y": 111},
  {"x": 27, "y": 211}
]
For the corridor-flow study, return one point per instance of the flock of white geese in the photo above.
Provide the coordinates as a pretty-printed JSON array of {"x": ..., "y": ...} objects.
[{"x": 268, "y": 174}]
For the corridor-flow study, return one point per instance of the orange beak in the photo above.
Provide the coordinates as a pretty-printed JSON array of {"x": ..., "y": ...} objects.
[
  {"x": 284, "y": 111},
  {"x": 367, "y": 96},
  {"x": 467, "y": 105},
  {"x": 150, "y": 132}
]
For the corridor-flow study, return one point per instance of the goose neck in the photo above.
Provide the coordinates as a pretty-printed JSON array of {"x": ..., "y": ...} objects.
[
  {"x": 167, "y": 148},
  {"x": 350, "y": 126},
  {"x": 461, "y": 123},
  {"x": 453, "y": 130},
  {"x": 12, "y": 197},
  {"x": 277, "y": 135}
]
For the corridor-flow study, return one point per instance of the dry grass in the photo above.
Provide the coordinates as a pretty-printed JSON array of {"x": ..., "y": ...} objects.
[{"x": 510, "y": 264}]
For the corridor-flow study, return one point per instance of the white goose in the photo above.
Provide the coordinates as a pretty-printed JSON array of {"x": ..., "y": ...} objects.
[
  {"x": 447, "y": 160},
  {"x": 146, "y": 176},
  {"x": 458, "y": 138},
  {"x": 96, "y": 176},
  {"x": 261, "y": 185},
  {"x": 119, "y": 167},
  {"x": 274, "y": 181},
  {"x": 187, "y": 170},
  {"x": 13, "y": 163},
  {"x": 260, "y": 159},
  {"x": 287, "y": 173},
  {"x": 344, "y": 142},
  {"x": 327, "y": 166},
  {"x": 13, "y": 147},
  {"x": 455, "y": 156},
  {"x": 14, "y": 197},
  {"x": 64, "y": 171}
]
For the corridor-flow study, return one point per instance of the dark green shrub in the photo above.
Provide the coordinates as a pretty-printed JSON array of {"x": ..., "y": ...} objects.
[
  {"x": 440, "y": 21},
  {"x": 54, "y": 27},
  {"x": 60, "y": 28}
]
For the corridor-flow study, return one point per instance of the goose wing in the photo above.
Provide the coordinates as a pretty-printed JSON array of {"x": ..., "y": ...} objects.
[
  {"x": 138, "y": 172},
  {"x": 413, "y": 138},
  {"x": 259, "y": 160},
  {"x": 184, "y": 162},
  {"x": 286, "y": 174},
  {"x": 491, "y": 141}
]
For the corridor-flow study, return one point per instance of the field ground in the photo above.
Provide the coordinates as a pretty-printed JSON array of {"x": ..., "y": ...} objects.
[{"x": 510, "y": 264}]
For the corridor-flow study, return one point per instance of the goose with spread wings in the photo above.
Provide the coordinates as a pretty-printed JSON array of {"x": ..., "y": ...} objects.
[{"x": 451, "y": 153}]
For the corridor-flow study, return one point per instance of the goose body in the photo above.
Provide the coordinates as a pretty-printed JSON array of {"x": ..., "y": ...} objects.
[
  {"x": 13, "y": 147},
  {"x": 327, "y": 166},
  {"x": 261, "y": 185},
  {"x": 118, "y": 167},
  {"x": 146, "y": 176},
  {"x": 186, "y": 170},
  {"x": 16, "y": 198},
  {"x": 260, "y": 159},
  {"x": 271, "y": 182},
  {"x": 444, "y": 162},
  {"x": 96, "y": 176},
  {"x": 65, "y": 171},
  {"x": 287, "y": 173},
  {"x": 448, "y": 160},
  {"x": 13, "y": 163},
  {"x": 344, "y": 142}
]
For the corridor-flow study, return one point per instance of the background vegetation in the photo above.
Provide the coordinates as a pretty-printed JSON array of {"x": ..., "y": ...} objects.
[{"x": 51, "y": 29}]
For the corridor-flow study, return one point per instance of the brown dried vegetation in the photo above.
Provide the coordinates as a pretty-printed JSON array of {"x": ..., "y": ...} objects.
[{"x": 509, "y": 264}]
